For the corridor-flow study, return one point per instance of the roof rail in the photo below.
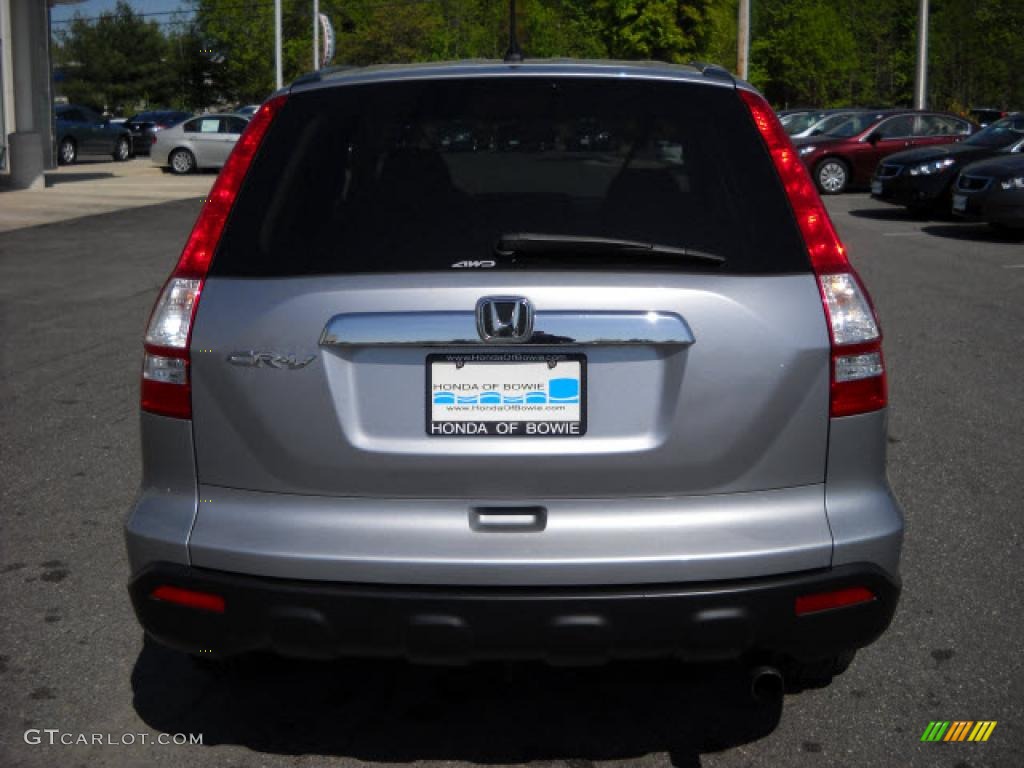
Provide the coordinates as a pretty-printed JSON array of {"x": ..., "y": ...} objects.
[
  {"x": 317, "y": 76},
  {"x": 713, "y": 70}
]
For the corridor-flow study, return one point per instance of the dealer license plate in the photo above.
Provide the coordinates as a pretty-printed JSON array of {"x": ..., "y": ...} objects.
[{"x": 513, "y": 394}]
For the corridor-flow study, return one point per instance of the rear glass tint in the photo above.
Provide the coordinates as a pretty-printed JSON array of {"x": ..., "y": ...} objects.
[{"x": 423, "y": 175}]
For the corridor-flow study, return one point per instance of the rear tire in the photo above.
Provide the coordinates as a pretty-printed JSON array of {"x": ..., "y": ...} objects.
[
  {"x": 67, "y": 153},
  {"x": 182, "y": 161},
  {"x": 832, "y": 176},
  {"x": 122, "y": 150}
]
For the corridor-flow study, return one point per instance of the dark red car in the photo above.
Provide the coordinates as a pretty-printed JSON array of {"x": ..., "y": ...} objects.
[{"x": 847, "y": 155}]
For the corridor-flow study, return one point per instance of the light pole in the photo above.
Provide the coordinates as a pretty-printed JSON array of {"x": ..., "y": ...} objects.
[
  {"x": 743, "y": 39},
  {"x": 921, "y": 78},
  {"x": 316, "y": 35},
  {"x": 277, "y": 42}
]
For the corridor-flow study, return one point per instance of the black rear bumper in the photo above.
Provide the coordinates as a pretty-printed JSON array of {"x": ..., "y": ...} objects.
[{"x": 563, "y": 625}]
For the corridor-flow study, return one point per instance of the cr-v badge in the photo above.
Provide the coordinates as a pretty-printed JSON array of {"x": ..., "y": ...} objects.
[{"x": 253, "y": 359}]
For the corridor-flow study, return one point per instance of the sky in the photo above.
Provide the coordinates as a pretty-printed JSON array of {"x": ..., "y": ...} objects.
[{"x": 63, "y": 13}]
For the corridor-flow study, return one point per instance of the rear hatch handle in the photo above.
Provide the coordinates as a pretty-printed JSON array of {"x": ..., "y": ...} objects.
[{"x": 458, "y": 329}]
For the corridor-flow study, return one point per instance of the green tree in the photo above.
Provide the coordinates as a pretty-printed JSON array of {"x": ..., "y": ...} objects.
[
  {"x": 720, "y": 40},
  {"x": 884, "y": 31},
  {"x": 820, "y": 52},
  {"x": 668, "y": 30},
  {"x": 560, "y": 28},
  {"x": 194, "y": 67},
  {"x": 803, "y": 52},
  {"x": 239, "y": 36},
  {"x": 977, "y": 55},
  {"x": 374, "y": 33},
  {"x": 116, "y": 62}
]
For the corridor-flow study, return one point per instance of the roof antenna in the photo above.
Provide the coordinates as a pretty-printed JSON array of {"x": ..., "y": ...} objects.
[{"x": 514, "y": 54}]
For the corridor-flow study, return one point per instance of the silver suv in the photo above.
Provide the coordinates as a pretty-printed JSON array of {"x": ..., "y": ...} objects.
[{"x": 549, "y": 360}]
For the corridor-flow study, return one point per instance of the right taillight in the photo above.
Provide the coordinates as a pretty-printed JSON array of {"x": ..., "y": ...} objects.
[
  {"x": 166, "y": 379},
  {"x": 858, "y": 382},
  {"x": 858, "y": 370}
]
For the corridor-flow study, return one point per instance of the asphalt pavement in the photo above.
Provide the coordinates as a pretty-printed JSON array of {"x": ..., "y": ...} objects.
[{"x": 74, "y": 297}]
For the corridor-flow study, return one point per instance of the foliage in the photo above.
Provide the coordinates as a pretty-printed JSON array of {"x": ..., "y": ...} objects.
[
  {"x": 863, "y": 52},
  {"x": 669, "y": 30},
  {"x": 240, "y": 37},
  {"x": 820, "y": 52},
  {"x": 807, "y": 53},
  {"x": 194, "y": 69},
  {"x": 720, "y": 46},
  {"x": 114, "y": 63},
  {"x": 978, "y": 53}
]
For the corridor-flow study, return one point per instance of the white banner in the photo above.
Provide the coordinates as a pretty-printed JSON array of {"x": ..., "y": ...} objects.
[{"x": 327, "y": 37}]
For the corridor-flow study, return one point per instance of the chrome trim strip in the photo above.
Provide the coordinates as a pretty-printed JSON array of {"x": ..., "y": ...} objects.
[{"x": 459, "y": 329}]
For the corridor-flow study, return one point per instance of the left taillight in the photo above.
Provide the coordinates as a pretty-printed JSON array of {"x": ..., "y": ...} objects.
[{"x": 166, "y": 377}]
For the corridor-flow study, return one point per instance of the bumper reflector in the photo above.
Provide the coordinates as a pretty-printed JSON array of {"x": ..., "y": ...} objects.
[
  {"x": 201, "y": 601},
  {"x": 841, "y": 598}
]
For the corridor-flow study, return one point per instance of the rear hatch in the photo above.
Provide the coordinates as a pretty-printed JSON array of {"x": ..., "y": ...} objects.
[{"x": 363, "y": 328}]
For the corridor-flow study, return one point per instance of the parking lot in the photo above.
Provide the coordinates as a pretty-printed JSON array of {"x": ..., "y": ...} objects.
[
  {"x": 74, "y": 297},
  {"x": 98, "y": 185}
]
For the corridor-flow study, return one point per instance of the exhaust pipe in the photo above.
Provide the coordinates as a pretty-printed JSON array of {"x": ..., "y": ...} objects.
[{"x": 766, "y": 684}]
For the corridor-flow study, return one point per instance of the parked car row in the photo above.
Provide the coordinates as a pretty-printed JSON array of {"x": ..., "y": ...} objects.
[
  {"x": 173, "y": 138},
  {"x": 847, "y": 154},
  {"x": 929, "y": 162},
  {"x": 981, "y": 178}
]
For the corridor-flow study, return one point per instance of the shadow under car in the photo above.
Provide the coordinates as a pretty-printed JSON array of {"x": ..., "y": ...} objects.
[{"x": 391, "y": 711}]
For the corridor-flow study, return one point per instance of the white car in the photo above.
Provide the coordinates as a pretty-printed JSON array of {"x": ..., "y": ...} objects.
[{"x": 202, "y": 142}]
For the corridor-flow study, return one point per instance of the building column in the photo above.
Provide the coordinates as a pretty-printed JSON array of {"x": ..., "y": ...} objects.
[{"x": 30, "y": 146}]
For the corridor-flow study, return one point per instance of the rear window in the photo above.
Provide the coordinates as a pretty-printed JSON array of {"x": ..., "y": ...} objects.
[
  {"x": 853, "y": 125},
  {"x": 427, "y": 175}
]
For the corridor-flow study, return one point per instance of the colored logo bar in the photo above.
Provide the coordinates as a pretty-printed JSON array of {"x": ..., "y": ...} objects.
[{"x": 958, "y": 730}]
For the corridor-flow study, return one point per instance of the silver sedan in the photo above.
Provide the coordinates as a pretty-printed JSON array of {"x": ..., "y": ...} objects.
[{"x": 202, "y": 142}]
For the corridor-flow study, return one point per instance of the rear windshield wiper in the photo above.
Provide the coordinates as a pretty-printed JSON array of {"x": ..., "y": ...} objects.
[{"x": 537, "y": 244}]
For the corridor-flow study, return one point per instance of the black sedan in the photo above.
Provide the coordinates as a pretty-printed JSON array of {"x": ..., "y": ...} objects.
[
  {"x": 992, "y": 191},
  {"x": 145, "y": 125},
  {"x": 922, "y": 179},
  {"x": 80, "y": 131}
]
